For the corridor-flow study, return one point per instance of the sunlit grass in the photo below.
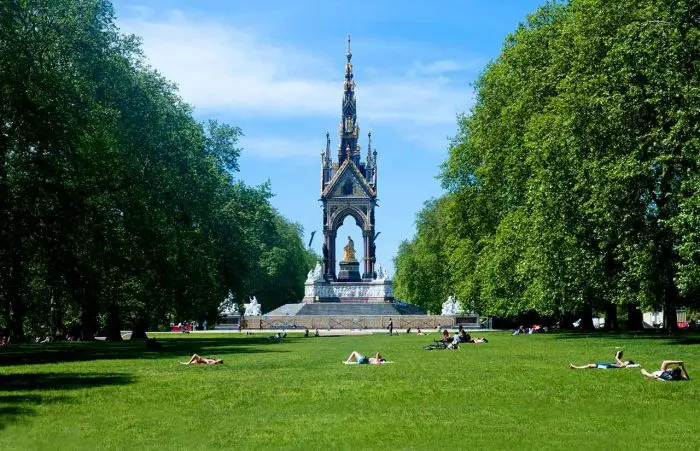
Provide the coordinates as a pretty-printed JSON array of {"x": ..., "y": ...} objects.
[{"x": 511, "y": 393}]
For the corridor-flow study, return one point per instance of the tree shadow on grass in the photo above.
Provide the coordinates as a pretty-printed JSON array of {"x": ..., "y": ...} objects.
[
  {"x": 175, "y": 348},
  {"x": 692, "y": 338},
  {"x": 15, "y": 406}
]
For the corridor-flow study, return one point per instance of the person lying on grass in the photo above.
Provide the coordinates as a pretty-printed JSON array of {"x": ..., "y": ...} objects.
[
  {"x": 464, "y": 337},
  {"x": 198, "y": 360},
  {"x": 618, "y": 363},
  {"x": 665, "y": 373},
  {"x": 356, "y": 357}
]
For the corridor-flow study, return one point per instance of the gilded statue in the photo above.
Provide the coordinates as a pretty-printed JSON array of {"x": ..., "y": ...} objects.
[{"x": 349, "y": 251}]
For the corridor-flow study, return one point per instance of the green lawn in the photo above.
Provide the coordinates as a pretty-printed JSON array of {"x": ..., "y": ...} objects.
[{"x": 511, "y": 393}]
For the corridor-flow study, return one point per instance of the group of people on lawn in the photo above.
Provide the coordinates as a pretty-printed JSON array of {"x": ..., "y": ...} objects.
[
  {"x": 460, "y": 336},
  {"x": 670, "y": 370}
]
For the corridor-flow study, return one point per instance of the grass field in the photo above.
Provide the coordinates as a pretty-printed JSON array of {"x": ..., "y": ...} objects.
[{"x": 511, "y": 393}]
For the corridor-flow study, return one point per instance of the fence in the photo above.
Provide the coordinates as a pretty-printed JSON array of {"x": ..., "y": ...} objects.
[{"x": 352, "y": 322}]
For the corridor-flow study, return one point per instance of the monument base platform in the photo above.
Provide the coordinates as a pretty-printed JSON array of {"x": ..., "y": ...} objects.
[
  {"x": 345, "y": 309},
  {"x": 375, "y": 291}
]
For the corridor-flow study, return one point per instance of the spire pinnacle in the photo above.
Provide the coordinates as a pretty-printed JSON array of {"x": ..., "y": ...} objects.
[{"x": 348, "y": 123}]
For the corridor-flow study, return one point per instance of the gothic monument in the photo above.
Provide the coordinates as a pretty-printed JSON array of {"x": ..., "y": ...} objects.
[{"x": 348, "y": 188}]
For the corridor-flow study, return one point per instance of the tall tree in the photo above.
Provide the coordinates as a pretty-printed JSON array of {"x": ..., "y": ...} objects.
[{"x": 573, "y": 180}]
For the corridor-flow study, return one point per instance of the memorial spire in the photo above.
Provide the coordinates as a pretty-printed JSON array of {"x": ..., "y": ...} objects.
[{"x": 349, "y": 128}]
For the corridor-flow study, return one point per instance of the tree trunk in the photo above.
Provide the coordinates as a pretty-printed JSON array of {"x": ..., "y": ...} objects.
[
  {"x": 634, "y": 318},
  {"x": 56, "y": 320},
  {"x": 611, "y": 316},
  {"x": 670, "y": 317},
  {"x": 587, "y": 317},
  {"x": 88, "y": 324},
  {"x": 14, "y": 293},
  {"x": 140, "y": 326},
  {"x": 114, "y": 324},
  {"x": 16, "y": 319}
]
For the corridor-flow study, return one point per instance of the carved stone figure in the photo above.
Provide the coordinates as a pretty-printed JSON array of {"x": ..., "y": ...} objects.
[
  {"x": 252, "y": 308},
  {"x": 450, "y": 307},
  {"x": 376, "y": 289},
  {"x": 381, "y": 275},
  {"x": 349, "y": 251},
  {"x": 229, "y": 307},
  {"x": 315, "y": 274}
]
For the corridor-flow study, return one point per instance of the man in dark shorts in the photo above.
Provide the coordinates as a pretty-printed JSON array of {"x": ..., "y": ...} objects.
[{"x": 618, "y": 363}]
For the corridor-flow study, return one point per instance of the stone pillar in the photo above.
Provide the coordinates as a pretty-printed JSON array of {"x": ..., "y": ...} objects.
[
  {"x": 329, "y": 254},
  {"x": 368, "y": 238},
  {"x": 365, "y": 241},
  {"x": 330, "y": 243},
  {"x": 372, "y": 256}
]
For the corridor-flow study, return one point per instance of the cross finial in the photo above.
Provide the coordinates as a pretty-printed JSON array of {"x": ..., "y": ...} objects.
[{"x": 348, "y": 54}]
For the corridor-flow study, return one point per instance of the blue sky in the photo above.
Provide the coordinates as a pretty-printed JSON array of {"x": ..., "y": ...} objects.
[{"x": 275, "y": 69}]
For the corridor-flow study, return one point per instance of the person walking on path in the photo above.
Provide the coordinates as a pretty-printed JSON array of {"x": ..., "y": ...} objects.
[{"x": 391, "y": 326}]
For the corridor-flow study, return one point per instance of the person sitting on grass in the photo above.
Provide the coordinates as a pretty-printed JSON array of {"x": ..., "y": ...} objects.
[
  {"x": 445, "y": 336},
  {"x": 454, "y": 344},
  {"x": 356, "y": 357},
  {"x": 618, "y": 363},
  {"x": 197, "y": 360},
  {"x": 679, "y": 373}
]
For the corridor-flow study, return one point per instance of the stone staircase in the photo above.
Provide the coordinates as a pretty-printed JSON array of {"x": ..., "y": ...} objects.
[{"x": 348, "y": 309}]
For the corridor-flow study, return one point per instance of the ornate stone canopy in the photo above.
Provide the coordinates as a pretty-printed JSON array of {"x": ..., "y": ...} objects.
[{"x": 348, "y": 185}]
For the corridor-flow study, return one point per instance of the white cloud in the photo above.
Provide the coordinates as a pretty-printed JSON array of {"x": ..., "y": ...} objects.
[{"x": 222, "y": 68}]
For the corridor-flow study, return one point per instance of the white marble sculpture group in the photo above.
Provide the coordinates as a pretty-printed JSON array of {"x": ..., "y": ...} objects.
[
  {"x": 450, "y": 307},
  {"x": 252, "y": 308}
]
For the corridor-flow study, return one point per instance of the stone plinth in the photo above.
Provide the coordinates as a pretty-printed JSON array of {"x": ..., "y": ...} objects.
[
  {"x": 349, "y": 271},
  {"x": 372, "y": 291}
]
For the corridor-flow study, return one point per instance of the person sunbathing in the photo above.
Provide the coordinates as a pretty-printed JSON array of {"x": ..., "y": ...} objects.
[
  {"x": 618, "y": 363},
  {"x": 665, "y": 373},
  {"x": 197, "y": 360},
  {"x": 356, "y": 357}
]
